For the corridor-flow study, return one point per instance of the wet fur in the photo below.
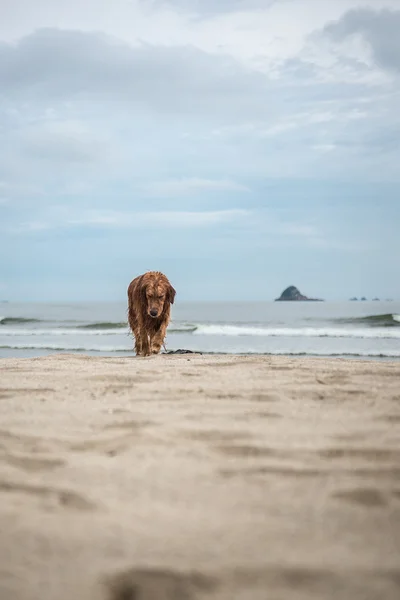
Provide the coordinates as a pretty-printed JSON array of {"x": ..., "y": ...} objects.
[{"x": 151, "y": 291}]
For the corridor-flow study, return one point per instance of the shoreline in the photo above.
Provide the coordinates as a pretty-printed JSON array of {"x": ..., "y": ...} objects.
[
  {"x": 47, "y": 353},
  {"x": 199, "y": 476},
  {"x": 265, "y": 329}
]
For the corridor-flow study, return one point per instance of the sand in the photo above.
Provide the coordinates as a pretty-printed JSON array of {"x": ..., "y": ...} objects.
[{"x": 199, "y": 477}]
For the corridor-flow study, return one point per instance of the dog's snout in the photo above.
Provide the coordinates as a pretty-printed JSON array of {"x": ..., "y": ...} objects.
[{"x": 153, "y": 313}]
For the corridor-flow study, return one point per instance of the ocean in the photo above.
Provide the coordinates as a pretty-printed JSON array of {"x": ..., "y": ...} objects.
[{"x": 348, "y": 329}]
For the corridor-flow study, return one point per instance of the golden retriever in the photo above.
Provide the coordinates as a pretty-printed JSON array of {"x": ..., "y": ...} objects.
[{"x": 149, "y": 299}]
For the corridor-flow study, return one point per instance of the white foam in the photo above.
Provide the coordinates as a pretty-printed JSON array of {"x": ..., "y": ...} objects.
[
  {"x": 233, "y": 330},
  {"x": 67, "y": 347},
  {"x": 111, "y": 349},
  {"x": 5, "y": 331},
  {"x": 76, "y": 332}
]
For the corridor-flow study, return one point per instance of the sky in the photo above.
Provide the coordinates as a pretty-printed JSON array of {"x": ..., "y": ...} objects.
[{"x": 239, "y": 146}]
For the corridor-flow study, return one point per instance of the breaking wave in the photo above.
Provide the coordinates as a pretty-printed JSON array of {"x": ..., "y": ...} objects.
[
  {"x": 184, "y": 328},
  {"x": 58, "y": 331},
  {"x": 63, "y": 327},
  {"x": 386, "y": 320},
  {"x": 233, "y": 330},
  {"x": 16, "y": 320},
  {"x": 103, "y": 325},
  {"x": 215, "y": 330}
]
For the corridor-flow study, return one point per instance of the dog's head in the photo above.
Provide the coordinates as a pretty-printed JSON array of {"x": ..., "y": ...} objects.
[{"x": 157, "y": 293}]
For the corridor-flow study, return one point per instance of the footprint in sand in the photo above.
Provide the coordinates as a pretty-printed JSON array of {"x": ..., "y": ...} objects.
[
  {"x": 130, "y": 432},
  {"x": 12, "y": 392},
  {"x": 390, "y": 418},
  {"x": 247, "y": 451},
  {"x": 369, "y": 454},
  {"x": 367, "y": 497},
  {"x": 214, "y": 435},
  {"x": 19, "y": 442},
  {"x": 125, "y": 381},
  {"x": 65, "y": 498},
  {"x": 274, "y": 471},
  {"x": 111, "y": 446},
  {"x": 271, "y": 581},
  {"x": 33, "y": 464},
  {"x": 265, "y": 397},
  {"x": 302, "y": 581},
  {"x": 130, "y": 425},
  {"x": 158, "y": 584},
  {"x": 265, "y": 414}
]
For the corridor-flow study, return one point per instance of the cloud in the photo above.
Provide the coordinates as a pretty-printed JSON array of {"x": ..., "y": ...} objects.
[
  {"x": 268, "y": 225},
  {"x": 52, "y": 65},
  {"x": 110, "y": 219},
  {"x": 378, "y": 29},
  {"x": 191, "y": 186},
  {"x": 63, "y": 141},
  {"x": 170, "y": 219},
  {"x": 211, "y": 7},
  {"x": 189, "y": 127},
  {"x": 168, "y": 119}
]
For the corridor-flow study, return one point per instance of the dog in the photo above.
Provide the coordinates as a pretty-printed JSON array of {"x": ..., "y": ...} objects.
[{"x": 149, "y": 299}]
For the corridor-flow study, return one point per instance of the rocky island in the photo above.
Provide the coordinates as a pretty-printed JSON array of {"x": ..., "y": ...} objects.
[{"x": 291, "y": 294}]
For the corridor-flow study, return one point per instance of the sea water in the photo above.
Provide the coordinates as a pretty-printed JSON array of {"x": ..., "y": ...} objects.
[{"x": 358, "y": 329}]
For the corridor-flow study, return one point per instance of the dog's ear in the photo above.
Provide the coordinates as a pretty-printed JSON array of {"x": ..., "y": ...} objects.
[
  {"x": 171, "y": 293},
  {"x": 143, "y": 288}
]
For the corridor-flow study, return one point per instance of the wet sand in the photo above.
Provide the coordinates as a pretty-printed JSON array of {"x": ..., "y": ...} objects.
[{"x": 199, "y": 477}]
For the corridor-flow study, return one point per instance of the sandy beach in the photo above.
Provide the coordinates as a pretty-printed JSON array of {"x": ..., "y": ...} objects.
[{"x": 199, "y": 477}]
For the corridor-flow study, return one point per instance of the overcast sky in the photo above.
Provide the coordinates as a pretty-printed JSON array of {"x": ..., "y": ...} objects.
[{"x": 238, "y": 145}]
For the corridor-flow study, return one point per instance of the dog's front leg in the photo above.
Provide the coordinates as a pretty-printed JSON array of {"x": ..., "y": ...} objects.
[
  {"x": 146, "y": 345},
  {"x": 158, "y": 339},
  {"x": 138, "y": 345},
  {"x": 142, "y": 342}
]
